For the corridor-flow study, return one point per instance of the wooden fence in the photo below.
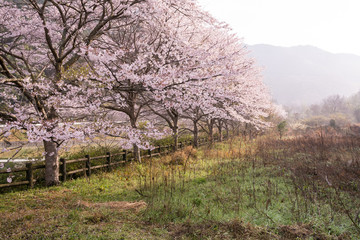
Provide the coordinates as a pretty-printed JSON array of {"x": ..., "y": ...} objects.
[{"x": 111, "y": 160}]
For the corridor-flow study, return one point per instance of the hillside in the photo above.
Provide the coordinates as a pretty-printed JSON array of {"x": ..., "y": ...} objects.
[{"x": 306, "y": 74}]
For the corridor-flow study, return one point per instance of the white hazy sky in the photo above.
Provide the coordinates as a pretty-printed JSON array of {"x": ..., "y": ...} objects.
[{"x": 333, "y": 25}]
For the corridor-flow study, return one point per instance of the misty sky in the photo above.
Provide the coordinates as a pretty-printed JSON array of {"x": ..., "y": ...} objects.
[{"x": 332, "y": 25}]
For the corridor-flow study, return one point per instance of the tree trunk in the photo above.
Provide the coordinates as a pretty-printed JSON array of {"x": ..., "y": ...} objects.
[
  {"x": 233, "y": 130},
  {"x": 196, "y": 135},
  {"x": 227, "y": 131},
  {"x": 237, "y": 129},
  {"x": 175, "y": 119},
  {"x": 136, "y": 149},
  {"x": 176, "y": 137},
  {"x": 220, "y": 126},
  {"x": 211, "y": 132},
  {"x": 51, "y": 163},
  {"x": 137, "y": 155}
]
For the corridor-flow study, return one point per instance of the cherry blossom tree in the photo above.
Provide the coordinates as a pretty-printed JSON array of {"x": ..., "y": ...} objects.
[
  {"x": 65, "y": 60},
  {"x": 150, "y": 58},
  {"x": 236, "y": 93},
  {"x": 39, "y": 42},
  {"x": 229, "y": 86}
]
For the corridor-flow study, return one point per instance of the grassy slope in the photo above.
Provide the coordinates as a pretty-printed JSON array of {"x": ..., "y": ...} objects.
[{"x": 221, "y": 194}]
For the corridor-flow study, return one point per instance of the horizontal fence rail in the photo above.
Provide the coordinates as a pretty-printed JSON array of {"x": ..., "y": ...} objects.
[{"x": 88, "y": 163}]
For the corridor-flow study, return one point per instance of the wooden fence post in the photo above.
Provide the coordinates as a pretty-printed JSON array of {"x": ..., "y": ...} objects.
[
  {"x": 63, "y": 169},
  {"x": 88, "y": 165},
  {"x": 108, "y": 160},
  {"x": 30, "y": 174},
  {"x": 149, "y": 151}
]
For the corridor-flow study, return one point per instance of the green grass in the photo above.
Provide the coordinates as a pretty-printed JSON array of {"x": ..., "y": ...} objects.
[
  {"x": 234, "y": 190},
  {"x": 57, "y": 212},
  {"x": 212, "y": 194}
]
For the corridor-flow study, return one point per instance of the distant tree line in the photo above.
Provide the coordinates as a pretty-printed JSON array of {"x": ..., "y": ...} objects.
[{"x": 333, "y": 110}]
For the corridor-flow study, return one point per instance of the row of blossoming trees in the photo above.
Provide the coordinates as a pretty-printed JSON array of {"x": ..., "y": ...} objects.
[{"x": 69, "y": 61}]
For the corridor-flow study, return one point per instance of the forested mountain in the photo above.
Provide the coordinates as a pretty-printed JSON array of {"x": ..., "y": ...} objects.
[{"x": 306, "y": 74}]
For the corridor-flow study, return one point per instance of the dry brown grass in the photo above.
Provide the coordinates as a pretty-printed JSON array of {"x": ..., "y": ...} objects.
[
  {"x": 324, "y": 164},
  {"x": 118, "y": 205},
  {"x": 325, "y": 155},
  {"x": 220, "y": 230}
]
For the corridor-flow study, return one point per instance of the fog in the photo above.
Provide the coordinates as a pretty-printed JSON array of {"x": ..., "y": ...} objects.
[{"x": 305, "y": 74}]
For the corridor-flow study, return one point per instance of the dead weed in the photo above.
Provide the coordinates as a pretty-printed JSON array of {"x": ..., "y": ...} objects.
[{"x": 219, "y": 230}]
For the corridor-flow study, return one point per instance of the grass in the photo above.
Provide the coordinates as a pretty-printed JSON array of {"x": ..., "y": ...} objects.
[
  {"x": 32, "y": 152},
  {"x": 57, "y": 212},
  {"x": 228, "y": 192}
]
